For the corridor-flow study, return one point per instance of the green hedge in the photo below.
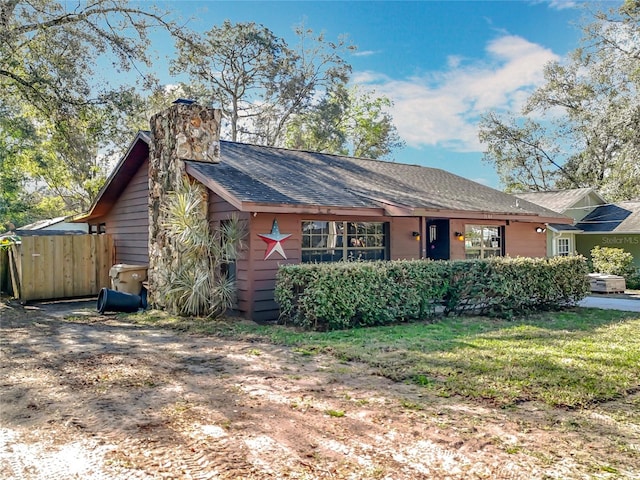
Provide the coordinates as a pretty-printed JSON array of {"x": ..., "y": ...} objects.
[
  {"x": 616, "y": 261},
  {"x": 345, "y": 295}
]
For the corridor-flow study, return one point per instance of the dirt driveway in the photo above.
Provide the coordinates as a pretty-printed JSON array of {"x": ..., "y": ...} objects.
[{"x": 93, "y": 397}]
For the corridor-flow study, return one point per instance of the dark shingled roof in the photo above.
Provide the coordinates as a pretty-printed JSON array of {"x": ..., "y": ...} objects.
[
  {"x": 561, "y": 227},
  {"x": 623, "y": 217},
  {"x": 258, "y": 174}
]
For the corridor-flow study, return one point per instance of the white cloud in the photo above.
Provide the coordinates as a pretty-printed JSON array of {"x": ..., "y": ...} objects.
[
  {"x": 481, "y": 180},
  {"x": 563, "y": 4},
  {"x": 365, "y": 53},
  {"x": 443, "y": 108},
  {"x": 559, "y": 4},
  {"x": 454, "y": 61}
]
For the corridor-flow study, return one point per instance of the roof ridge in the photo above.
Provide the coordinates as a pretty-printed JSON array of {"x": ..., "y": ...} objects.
[{"x": 337, "y": 155}]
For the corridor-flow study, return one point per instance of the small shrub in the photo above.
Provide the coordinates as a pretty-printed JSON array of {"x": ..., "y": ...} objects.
[
  {"x": 633, "y": 281},
  {"x": 616, "y": 261},
  {"x": 195, "y": 283}
]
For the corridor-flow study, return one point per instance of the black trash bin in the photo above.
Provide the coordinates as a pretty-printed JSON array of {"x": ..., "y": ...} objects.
[{"x": 114, "y": 301}]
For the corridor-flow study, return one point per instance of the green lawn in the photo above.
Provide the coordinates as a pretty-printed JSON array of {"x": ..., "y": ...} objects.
[{"x": 574, "y": 358}]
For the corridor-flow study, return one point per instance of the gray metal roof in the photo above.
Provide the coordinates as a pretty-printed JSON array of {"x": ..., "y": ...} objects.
[
  {"x": 557, "y": 200},
  {"x": 623, "y": 217},
  {"x": 259, "y": 174}
]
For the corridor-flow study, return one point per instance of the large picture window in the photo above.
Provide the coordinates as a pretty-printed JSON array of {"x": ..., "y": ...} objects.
[
  {"x": 483, "y": 241},
  {"x": 325, "y": 241}
]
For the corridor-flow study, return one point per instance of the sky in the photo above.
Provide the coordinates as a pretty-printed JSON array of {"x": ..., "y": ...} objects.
[{"x": 442, "y": 63}]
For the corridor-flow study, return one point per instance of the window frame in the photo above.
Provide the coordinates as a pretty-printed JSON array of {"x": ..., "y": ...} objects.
[
  {"x": 98, "y": 228},
  {"x": 560, "y": 251},
  {"x": 350, "y": 244},
  {"x": 481, "y": 247}
]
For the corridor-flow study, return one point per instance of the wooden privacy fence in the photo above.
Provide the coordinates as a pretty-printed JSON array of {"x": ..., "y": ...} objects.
[{"x": 60, "y": 266}]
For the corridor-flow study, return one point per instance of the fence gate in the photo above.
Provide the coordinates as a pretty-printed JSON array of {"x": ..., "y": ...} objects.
[{"x": 60, "y": 266}]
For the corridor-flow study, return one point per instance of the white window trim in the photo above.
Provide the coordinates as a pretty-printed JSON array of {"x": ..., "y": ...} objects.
[
  {"x": 499, "y": 249},
  {"x": 556, "y": 244}
]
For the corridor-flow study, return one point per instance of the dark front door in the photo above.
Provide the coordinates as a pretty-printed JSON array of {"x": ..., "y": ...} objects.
[{"x": 438, "y": 239}]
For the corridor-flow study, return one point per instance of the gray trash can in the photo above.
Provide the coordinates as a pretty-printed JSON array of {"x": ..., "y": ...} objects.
[{"x": 128, "y": 278}]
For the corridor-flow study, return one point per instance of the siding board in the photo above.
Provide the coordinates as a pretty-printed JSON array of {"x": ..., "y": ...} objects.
[{"x": 128, "y": 220}]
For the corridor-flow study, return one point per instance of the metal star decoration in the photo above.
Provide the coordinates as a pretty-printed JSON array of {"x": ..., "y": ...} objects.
[{"x": 274, "y": 240}]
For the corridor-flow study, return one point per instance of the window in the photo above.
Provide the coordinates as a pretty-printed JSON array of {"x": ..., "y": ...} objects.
[
  {"x": 324, "y": 241},
  {"x": 228, "y": 265},
  {"x": 100, "y": 229},
  {"x": 481, "y": 241},
  {"x": 563, "y": 247}
]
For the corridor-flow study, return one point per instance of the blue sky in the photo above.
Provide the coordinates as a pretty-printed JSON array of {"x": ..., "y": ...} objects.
[{"x": 442, "y": 63}]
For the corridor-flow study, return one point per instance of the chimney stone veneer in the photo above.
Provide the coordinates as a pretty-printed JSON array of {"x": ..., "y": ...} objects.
[{"x": 181, "y": 132}]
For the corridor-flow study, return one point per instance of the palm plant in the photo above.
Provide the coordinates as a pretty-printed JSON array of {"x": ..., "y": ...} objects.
[{"x": 194, "y": 283}]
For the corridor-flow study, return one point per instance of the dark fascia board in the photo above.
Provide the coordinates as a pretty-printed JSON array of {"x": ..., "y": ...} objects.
[{"x": 119, "y": 178}]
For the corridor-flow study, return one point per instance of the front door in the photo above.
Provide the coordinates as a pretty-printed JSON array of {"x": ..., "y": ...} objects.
[{"x": 437, "y": 235}]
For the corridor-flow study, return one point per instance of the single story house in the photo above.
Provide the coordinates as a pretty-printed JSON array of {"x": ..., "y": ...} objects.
[
  {"x": 596, "y": 222},
  {"x": 303, "y": 206}
]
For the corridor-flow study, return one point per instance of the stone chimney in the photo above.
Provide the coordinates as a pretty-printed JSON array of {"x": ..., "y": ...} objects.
[{"x": 184, "y": 131}]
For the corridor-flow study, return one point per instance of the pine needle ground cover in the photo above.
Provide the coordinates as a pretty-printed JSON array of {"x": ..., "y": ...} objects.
[{"x": 566, "y": 359}]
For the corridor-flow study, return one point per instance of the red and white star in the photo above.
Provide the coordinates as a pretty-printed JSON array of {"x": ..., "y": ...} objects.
[{"x": 274, "y": 240}]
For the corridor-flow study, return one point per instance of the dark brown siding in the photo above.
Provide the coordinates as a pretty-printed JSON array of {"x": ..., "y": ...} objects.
[
  {"x": 221, "y": 210},
  {"x": 261, "y": 276},
  {"x": 256, "y": 276},
  {"x": 263, "y": 272},
  {"x": 128, "y": 220}
]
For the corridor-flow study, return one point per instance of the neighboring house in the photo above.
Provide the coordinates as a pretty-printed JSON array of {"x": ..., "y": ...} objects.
[
  {"x": 305, "y": 206},
  {"x": 53, "y": 226},
  {"x": 575, "y": 203},
  {"x": 613, "y": 225},
  {"x": 596, "y": 222}
]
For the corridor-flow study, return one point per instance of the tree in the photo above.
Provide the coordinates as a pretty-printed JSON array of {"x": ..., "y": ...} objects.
[
  {"x": 346, "y": 121},
  {"x": 590, "y": 110},
  {"x": 49, "y": 49},
  {"x": 257, "y": 80},
  {"x": 49, "y": 55},
  {"x": 16, "y": 144}
]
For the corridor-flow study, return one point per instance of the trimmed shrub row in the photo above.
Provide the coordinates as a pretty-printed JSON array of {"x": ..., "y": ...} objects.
[{"x": 344, "y": 295}]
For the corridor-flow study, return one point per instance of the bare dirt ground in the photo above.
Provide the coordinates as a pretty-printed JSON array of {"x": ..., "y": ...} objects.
[{"x": 94, "y": 397}]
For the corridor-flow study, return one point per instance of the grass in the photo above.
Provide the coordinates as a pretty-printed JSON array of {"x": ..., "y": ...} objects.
[
  {"x": 335, "y": 413},
  {"x": 570, "y": 359}
]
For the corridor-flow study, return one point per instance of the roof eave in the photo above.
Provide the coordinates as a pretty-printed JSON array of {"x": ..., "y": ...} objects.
[
  {"x": 254, "y": 207},
  {"x": 95, "y": 211},
  {"x": 555, "y": 230}
]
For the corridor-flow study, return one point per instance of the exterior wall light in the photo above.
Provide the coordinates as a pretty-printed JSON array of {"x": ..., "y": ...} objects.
[
  {"x": 416, "y": 235},
  {"x": 540, "y": 229},
  {"x": 459, "y": 236}
]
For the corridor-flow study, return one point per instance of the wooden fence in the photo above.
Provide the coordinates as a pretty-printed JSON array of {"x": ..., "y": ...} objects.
[{"x": 60, "y": 266}]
